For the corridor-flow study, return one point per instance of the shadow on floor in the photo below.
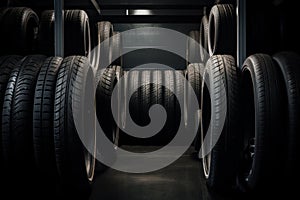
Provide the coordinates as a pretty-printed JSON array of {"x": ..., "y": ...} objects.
[{"x": 183, "y": 180}]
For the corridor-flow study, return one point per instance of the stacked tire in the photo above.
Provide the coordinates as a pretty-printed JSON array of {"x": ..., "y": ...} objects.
[
  {"x": 108, "y": 81},
  {"x": 19, "y": 30},
  {"x": 218, "y": 140},
  {"x": 77, "y": 32},
  {"x": 38, "y": 137},
  {"x": 261, "y": 103},
  {"x": 148, "y": 88},
  {"x": 270, "y": 120},
  {"x": 193, "y": 48},
  {"x": 37, "y": 129}
]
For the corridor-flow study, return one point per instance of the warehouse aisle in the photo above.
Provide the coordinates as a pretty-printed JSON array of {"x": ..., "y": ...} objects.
[{"x": 181, "y": 180}]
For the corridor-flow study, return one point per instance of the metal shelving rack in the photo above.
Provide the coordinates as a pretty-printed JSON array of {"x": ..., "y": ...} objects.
[{"x": 241, "y": 32}]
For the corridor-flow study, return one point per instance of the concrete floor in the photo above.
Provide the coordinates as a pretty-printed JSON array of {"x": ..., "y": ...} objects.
[{"x": 181, "y": 180}]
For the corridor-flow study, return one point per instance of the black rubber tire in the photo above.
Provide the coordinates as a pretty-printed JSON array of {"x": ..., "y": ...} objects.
[
  {"x": 203, "y": 39},
  {"x": 43, "y": 109},
  {"x": 7, "y": 64},
  {"x": 193, "y": 48},
  {"x": 133, "y": 79},
  {"x": 75, "y": 174},
  {"x": 46, "y": 33},
  {"x": 105, "y": 31},
  {"x": 193, "y": 74},
  {"x": 179, "y": 86},
  {"x": 119, "y": 74},
  {"x": 153, "y": 93},
  {"x": 17, "y": 114},
  {"x": 117, "y": 49},
  {"x": 18, "y": 33},
  {"x": 77, "y": 32},
  {"x": 224, "y": 156},
  {"x": 289, "y": 64},
  {"x": 104, "y": 92},
  {"x": 95, "y": 44},
  {"x": 77, "y": 21},
  {"x": 262, "y": 132},
  {"x": 222, "y": 30},
  {"x": 119, "y": 71}
]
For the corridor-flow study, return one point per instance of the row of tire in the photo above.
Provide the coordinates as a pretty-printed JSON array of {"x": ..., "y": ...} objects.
[
  {"x": 23, "y": 33},
  {"x": 36, "y": 88},
  {"x": 217, "y": 35},
  {"x": 259, "y": 142},
  {"x": 37, "y": 138}
]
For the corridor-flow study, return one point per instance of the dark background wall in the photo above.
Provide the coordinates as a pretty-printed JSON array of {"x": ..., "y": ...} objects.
[{"x": 153, "y": 55}]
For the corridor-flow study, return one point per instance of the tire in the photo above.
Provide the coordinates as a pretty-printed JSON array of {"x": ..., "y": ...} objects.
[
  {"x": 7, "y": 64},
  {"x": 193, "y": 48},
  {"x": 77, "y": 30},
  {"x": 19, "y": 29},
  {"x": 155, "y": 90},
  {"x": 221, "y": 164},
  {"x": 95, "y": 50},
  {"x": 194, "y": 75},
  {"x": 77, "y": 21},
  {"x": 46, "y": 33},
  {"x": 179, "y": 87},
  {"x": 222, "y": 30},
  {"x": 262, "y": 118},
  {"x": 133, "y": 77},
  {"x": 43, "y": 109},
  {"x": 17, "y": 114},
  {"x": 119, "y": 71},
  {"x": 75, "y": 165},
  {"x": 121, "y": 90},
  {"x": 104, "y": 92},
  {"x": 289, "y": 63},
  {"x": 203, "y": 40},
  {"x": 117, "y": 49},
  {"x": 105, "y": 31}
]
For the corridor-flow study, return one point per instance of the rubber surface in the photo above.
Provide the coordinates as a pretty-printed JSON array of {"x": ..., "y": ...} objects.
[
  {"x": 17, "y": 113},
  {"x": 221, "y": 72},
  {"x": 77, "y": 32},
  {"x": 18, "y": 32},
  {"x": 43, "y": 114},
  {"x": 222, "y": 30},
  {"x": 69, "y": 150},
  {"x": 289, "y": 64},
  {"x": 193, "y": 48},
  {"x": 203, "y": 41},
  {"x": 263, "y": 92},
  {"x": 7, "y": 64}
]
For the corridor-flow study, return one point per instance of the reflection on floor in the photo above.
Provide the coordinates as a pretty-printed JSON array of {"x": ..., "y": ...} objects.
[{"x": 183, "y": 180}]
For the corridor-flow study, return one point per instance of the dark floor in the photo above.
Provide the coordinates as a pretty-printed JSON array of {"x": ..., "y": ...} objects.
[{"x": 183, "y": 180}]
